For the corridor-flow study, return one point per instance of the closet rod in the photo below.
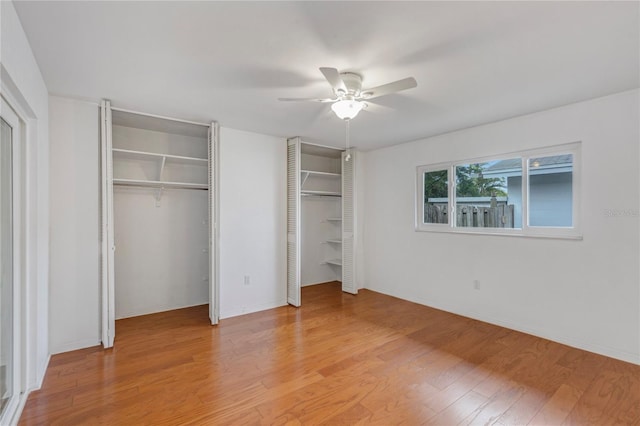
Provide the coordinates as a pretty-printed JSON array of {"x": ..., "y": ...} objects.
[{"x": 159, "y": 116}]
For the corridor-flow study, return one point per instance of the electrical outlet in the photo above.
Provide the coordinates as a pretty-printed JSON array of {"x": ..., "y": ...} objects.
[
  {"x": 247, "y": 280},
  {"x": 476, "y": 284}
]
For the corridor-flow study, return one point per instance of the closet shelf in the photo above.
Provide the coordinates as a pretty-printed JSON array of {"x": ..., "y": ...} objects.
[
  {"x": 160, "y": 184},
  {"x": 336, "y": 262},
  {"x": 309, "y": 192},
  {"x": 335, "y": 241},
  {"x": 316, "y": 173},
  {"x": 143, "y": 155},
  {"x": 334, "y": 219}
]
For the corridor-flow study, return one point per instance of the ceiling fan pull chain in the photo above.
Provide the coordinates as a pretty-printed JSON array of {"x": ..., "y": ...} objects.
[
  {"x": 348, "y": 157},
  {"x": 347, "y": 134}
]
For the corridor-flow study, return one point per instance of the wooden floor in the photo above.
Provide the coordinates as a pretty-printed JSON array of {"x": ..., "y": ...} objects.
[{"x": 338, "y": 360}]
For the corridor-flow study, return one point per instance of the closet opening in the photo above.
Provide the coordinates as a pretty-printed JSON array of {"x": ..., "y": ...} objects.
[
  {"x": 320, "y": 216},
  {"x": 159, "y": 217},
  {"x": 320, "y": 224}
]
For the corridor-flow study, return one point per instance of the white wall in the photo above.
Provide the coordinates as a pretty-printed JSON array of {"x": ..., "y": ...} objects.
[
  {"x": 75, "y": 198},
  {"x": 582, "y": 293},
  {"x": 252, "y": 221},
  {"x": 160, "y": 262},
  {"x": 23, "y": 82}
]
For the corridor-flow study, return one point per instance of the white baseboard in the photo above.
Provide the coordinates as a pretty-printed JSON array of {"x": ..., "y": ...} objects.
[
  {"x": 22, "y": 401},
  {"x": 72, "y": 346},
  {"x": 41, "y": 373},
  {"x": 610, "y": 352},
  {"x": 158, "y": 309},
  {"x": 323, "y": 282},
  {"x": 234, "y": 311}
]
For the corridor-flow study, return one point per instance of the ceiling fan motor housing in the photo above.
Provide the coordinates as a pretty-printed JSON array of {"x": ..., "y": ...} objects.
[{"x": 353, "y": 83}]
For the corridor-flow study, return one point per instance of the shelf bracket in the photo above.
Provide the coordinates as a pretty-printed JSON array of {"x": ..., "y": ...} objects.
[
  {"x": 161, "y": 189},
  {"x": 159, "y": 196},
  {"x": 304, "y": 179},
  {"x": 161, "y": 171}
]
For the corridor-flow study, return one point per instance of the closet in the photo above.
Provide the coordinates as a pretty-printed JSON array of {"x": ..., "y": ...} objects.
[
  {"x": 320, "y": 217},
  {"x": 159, "y": 190}
]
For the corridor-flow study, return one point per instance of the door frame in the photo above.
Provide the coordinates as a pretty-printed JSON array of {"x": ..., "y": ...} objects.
[
  {"x": 108, "y": 248},
  {"x": 19, "y": 258}
]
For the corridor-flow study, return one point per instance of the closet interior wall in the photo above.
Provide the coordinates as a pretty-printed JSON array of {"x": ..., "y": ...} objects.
[
  {"x": 321, "y": 210},
  {"x": 161, "y": 233}
]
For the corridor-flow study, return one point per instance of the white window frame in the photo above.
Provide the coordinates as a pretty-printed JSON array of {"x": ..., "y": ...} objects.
[{"x": 572, "y": 232}]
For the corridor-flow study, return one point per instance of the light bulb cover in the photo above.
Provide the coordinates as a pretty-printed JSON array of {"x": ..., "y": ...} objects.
[{"x": 347, "y": 109}]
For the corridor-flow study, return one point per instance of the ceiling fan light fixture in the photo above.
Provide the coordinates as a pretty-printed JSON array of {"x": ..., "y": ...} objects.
[{"x": 346, "y": 109}]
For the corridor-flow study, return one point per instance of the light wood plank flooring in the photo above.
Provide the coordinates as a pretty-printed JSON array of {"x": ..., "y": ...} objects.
[{"x": 338, "y": 360}]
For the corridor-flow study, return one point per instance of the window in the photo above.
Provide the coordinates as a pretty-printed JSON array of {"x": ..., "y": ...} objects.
[
  {"x": 436, "y": 196},
  {"x": 482, "y": 194},
  {"x": 526, "y": 193},
  {"x": 551, "y": 191}
]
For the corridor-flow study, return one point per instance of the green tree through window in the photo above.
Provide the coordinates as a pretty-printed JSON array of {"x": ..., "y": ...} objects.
[{"x": 471, "y": 183}]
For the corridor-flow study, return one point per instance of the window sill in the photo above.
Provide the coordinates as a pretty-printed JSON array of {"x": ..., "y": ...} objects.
[{"x": 565, "y": 234}]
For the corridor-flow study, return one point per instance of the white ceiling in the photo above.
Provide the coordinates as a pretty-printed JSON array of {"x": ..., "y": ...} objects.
[{"x": 475, "y": 62}]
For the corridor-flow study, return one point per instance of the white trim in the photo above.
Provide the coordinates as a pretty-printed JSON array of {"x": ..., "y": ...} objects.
[
  {"x": 234, "y": 311},
  {"x": 43, "y": 368},
  {"x": 29, "y": 375},
  {"x": 17, "y": 413},
  {"x": 573, "y": 232},
  {"x": 163, "y": 117},
  {"x": 75, "y": 345},
  {"x": 19, "y": 256}
]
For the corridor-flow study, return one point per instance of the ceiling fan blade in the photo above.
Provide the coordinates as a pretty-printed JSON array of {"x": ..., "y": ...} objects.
[
  {"x": 387, "y": 89},
  {"x": 306, "y": 100},
  {"x": 333, "y": 77},
  {"x": 376, "y": 108}
]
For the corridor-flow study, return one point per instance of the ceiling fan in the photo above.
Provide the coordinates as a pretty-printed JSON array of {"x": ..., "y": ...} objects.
[{"x": 349, "y": 96}]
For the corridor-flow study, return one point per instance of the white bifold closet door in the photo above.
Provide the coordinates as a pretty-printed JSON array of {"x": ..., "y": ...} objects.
[
  {"x": 214, "y": 185},
  {"x": 107, "y": 263},
  {"x": 107, "y": 243},
  {"x": 348, "y": 222},
  {"x": 293, "y": 222}
]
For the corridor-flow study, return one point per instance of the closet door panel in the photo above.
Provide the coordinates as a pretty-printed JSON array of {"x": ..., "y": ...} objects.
[
  {"x": 348, "y": 222},
  {"x": 293, "y": 222},
  {"x": 213, "y": 154},
  {"x": 107, "y": 264}
]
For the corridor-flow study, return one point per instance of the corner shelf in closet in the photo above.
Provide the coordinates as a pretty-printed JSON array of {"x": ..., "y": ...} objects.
[
  {"x": 336, "y": 262},
  {"x": 334, "y": 219},
  {"x": 335, "y": 241}
]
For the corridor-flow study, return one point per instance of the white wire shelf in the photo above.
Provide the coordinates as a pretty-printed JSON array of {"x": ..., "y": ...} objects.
[
  {"x": 160, "y": 184},
  {"x": 143, "y": 155},
  {"x": 320, "y": 174},
  {"x": 308, "y": 192}
]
